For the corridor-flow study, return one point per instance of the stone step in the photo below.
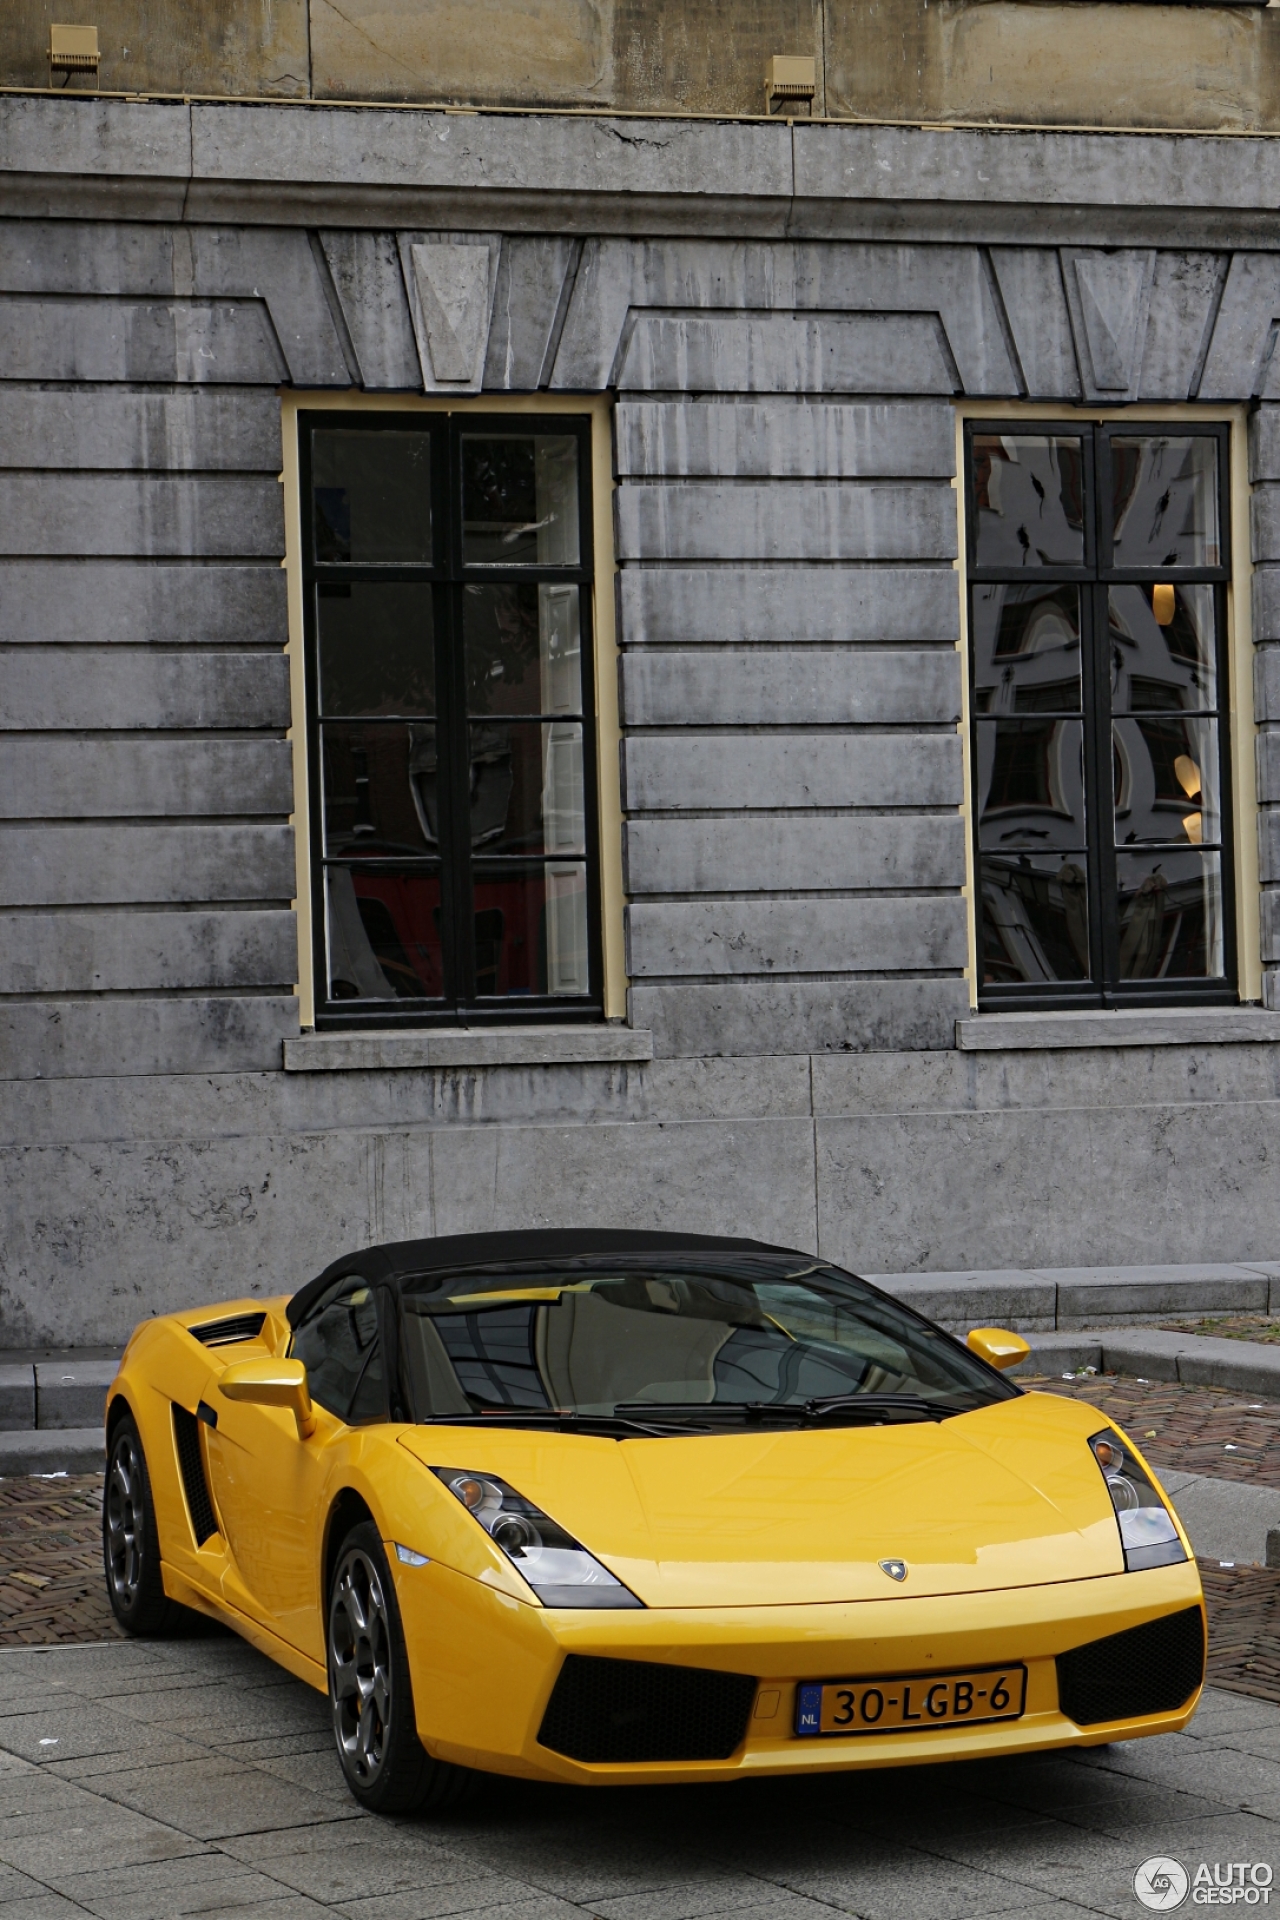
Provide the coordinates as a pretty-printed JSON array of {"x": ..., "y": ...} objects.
[
  {"x": 55, "y": 1450},
  {"x": 1063, "y": 1299},
  {"x": 1197, "y": 1360},
  {"x": 54, "y": 1394}
]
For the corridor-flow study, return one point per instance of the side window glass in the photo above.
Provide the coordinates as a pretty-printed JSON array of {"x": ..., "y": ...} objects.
[{"x": 338, "y": 1345}]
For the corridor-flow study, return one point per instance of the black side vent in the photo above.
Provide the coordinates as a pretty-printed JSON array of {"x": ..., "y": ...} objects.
[
  {"x": 229, "y": 1332},
  {"x": 637, "y": 1710},
  {"x": 1154, "y": 1668},
  {"x": 186, "y": 1434}
]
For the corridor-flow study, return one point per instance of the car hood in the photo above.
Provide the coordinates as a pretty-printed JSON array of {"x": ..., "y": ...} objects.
[{"x": 1006, "y": 1496}]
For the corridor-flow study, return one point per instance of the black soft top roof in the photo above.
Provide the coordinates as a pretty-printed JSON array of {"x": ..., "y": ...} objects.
[{"x": 398, "y": 1259}]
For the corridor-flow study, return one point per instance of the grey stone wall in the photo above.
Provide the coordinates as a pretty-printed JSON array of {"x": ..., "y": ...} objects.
[{"x": 788, "y": 616}]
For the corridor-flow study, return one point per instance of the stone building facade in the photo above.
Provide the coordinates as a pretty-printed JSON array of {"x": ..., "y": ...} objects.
[{"x": 779, "y": 346}]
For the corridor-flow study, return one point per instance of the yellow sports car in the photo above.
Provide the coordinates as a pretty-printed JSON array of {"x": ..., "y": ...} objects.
[{"x": 622, "y": 1507}]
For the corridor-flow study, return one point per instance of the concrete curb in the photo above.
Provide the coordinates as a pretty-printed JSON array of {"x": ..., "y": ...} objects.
[
  {"x": 59, "y": 1450},
  {"x": 1197, "y": 1360}
]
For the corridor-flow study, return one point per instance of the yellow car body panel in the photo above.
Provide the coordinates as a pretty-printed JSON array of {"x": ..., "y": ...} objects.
[{"x": 753, "y": 1552}]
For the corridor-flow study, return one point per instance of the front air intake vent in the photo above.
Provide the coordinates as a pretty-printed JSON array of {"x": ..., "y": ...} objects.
[
  {"x": 186, "y": 1434},
  {"x": 229, "y": 1332},
  {"x": 1154, "y": 1668},
  {"x": 623, "y": 1710}
]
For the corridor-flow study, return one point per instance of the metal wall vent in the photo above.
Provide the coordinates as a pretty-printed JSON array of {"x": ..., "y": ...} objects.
[{"x": 229, "y": 1332}]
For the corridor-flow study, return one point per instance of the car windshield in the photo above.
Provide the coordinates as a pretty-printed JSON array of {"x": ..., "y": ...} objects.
[{"x": 663, "y": 1340}]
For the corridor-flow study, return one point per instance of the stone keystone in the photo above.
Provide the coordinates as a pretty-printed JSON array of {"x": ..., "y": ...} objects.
[
  {"x": 1109, "y": 294},
  {"x": 452, "y": 285}
]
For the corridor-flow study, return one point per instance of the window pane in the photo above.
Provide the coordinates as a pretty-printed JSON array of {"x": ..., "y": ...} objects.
[
  {"x": 1029, "y": 498},
  {"x": 1164, "y": 500},
  {"x": 523, "y": 649},
  {"x": 377, "y": 652},
  {"x": 531, "y": 929},
  {"x": 335, "y": 1345},
  {"x": 526, "y": 787},
  {"x": 520, "y": 500},
  {"x": 372, "y": 495},
  {"x": 1035, "y": 918},
  {"x": 1031, "y": 784},
  {"x": 384, "y": 934},
  {"x": 1170, "y": 911},
  {"x": 1026, "y": 649},
  {"x": 1166, "y": 780},
  {"x": 1158, "y": 665},
  {"x": 380, "y": 789}
]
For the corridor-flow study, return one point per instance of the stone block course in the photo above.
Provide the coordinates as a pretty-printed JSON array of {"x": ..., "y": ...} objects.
[
  {"x": 102, "y": 952},
  {"x": 213, "y": 514},
  {"x": 120, "y": 864},
  {"x": 53, "y": 337},
  {"x": 724, "y": 770},
  {"x": 74, "y": 1038},
  {"x": 205, "y": 429},
  {"x": 826, "y": 934},
  {"x": 114, "y": 688},
  {"x": 846, "y": 520},
  {"x": 791, "y": 687},
  {"x": 788, "y": 606},
  {"x": 670, "y": 854},
  {"x": 759, "y": 1018},
  {"x": 785, "y": 439},
  {"x": 787, "y": 353},
  {"x": 62, "y": 777},
  {"x": 114, "y": 602}
]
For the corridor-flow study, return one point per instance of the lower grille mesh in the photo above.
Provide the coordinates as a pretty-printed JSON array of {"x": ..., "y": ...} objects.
[
  {"x": 638, "y": 1710},
  {"x": 186, "y": 1432},
  {"x": 1154, "y": 1668}
]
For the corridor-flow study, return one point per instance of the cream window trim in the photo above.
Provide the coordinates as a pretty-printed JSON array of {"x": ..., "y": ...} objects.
[
  {"x": 604, "y": 627},
  {"x": 1243, "y": 728}
]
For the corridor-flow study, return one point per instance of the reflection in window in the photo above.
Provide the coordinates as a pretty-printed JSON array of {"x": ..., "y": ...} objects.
[
  {"x": 1028, "y": 489},
  {"x": 1165, "y": 500},
  {"x": 1097, "y": 710},
  {"x": 451, "y": 731}
]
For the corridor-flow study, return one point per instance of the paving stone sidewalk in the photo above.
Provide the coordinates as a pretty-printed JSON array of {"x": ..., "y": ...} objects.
[{"x": 139, "y": 1782}]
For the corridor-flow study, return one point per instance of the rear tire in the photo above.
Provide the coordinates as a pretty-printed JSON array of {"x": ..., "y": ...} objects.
[
  {"x": 370, "y": 1692},
  {"x": 131, "y": 1540}
]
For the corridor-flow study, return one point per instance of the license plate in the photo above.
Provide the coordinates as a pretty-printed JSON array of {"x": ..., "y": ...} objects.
[{"x": 899, "y": 1703}]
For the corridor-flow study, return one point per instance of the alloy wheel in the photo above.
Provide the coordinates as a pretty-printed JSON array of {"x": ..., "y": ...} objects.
[
  {"x": 360, "y": 1666},
  {"x": 126, "y": 1520}
]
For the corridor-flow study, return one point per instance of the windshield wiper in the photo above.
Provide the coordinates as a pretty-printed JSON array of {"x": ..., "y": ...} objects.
[
  {"x": 610, "y": 1426},
  {"x": 838, "y": 1405},
  {"x": 875, "y": 1408}
]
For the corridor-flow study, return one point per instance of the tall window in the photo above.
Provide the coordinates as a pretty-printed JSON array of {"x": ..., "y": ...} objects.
[
  {"x": 1098, "y": 694},
  {"x": 452, "y": 753}
]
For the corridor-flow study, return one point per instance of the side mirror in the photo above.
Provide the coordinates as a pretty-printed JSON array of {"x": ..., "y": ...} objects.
[
  {"x": 272, "y": 1383},
  {"x": 995, "y": 1346}
]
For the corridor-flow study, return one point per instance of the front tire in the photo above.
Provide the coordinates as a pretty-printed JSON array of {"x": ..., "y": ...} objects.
[
  {"x": 131, "y": 1539},
  {"x": 370, "y": 1692}
]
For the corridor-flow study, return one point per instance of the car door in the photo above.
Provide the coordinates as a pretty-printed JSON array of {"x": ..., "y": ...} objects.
[{"x": 270, "y": 1485}]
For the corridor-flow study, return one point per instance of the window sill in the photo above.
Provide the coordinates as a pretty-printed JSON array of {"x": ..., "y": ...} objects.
[
  {"x": 443, "y": 1047},
  {"x": 1123, "y": 1027}
]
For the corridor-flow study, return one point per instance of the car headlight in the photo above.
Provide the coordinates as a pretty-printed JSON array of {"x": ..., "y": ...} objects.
[
  {"x": 1147, "y": 1532},
  {"x": 561, "y": 1572}
]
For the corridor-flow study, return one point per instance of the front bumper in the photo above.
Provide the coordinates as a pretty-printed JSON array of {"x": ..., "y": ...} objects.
[{"x": 484, "y": 1665}]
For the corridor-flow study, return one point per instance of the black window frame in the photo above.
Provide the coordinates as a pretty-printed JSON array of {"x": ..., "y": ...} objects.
[
  {"x": 1106, "y": 989},
  {"x": 448, "y": 577}
]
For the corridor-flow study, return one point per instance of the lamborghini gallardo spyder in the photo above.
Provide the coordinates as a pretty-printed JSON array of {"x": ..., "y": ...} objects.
[{"x": 607, "y": 1507}]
